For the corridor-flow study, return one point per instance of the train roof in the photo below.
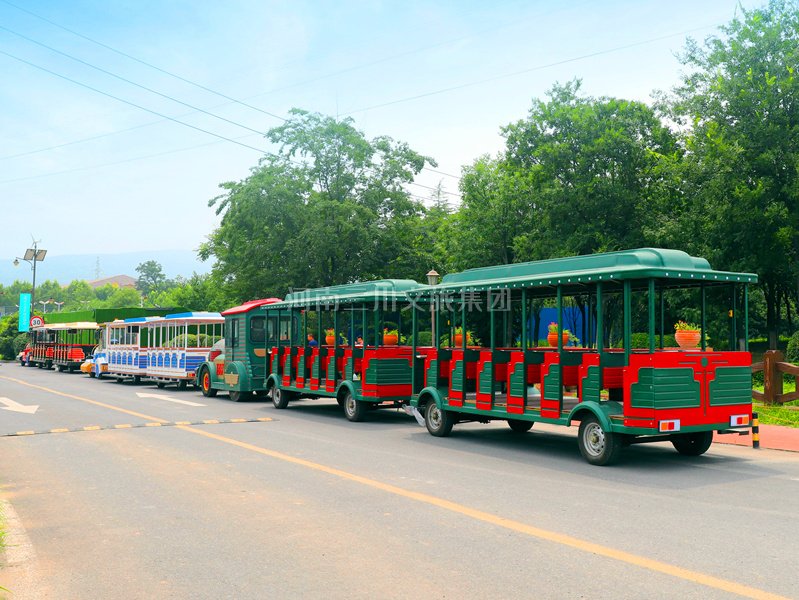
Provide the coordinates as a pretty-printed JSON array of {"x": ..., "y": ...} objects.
[
  {"x": 577, "y": 271},
  {"x": 77, "y": 325},
  {"x": 248, "y": 306},
  {"x": 195, "y": 316},
  {"x": 350, "y": 293}
]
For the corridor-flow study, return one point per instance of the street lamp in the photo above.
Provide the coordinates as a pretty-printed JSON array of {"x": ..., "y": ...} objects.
[
  {"x": 32, "y": 256},
  {"x": 432, "y": 279},
  {"x": 58, "y": 304},
  {"x": 44, "y": 304}
]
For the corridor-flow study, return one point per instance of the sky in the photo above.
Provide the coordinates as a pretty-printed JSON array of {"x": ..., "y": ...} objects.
[{"x": 92, "y": 164}]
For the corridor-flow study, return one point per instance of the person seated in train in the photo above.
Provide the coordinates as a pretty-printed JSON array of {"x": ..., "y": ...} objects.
[{"x": 311, "y": 341}]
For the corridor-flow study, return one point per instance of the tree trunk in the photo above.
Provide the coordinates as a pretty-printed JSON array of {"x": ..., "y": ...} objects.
[{"x": 771, "y": 314}]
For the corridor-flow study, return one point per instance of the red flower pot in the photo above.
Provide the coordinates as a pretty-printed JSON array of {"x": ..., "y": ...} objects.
[
  {"x": 687, "y": 338},
  {"x": 552, "y": 339}
]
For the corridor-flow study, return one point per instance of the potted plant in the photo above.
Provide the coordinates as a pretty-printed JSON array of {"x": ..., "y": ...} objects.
[
  {"x": 687, "y": 335},
  {"x": 471, "y": 339},
  {"x": 390, "y": 337},
  {"x": 330, "y": 336},
  {"x": 552, "y": 335}
]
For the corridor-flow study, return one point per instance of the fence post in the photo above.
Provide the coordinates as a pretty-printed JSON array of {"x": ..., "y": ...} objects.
[{"x": 772, "y": 378}]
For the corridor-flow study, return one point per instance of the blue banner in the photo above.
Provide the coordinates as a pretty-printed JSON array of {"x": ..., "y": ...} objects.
[{"x": 24, "y": 312}]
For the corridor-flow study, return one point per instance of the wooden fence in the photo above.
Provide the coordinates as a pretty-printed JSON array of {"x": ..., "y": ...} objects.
[{"x": 773, "y": 367}]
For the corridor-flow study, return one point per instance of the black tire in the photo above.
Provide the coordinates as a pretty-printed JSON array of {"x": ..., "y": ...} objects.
[
  {"x": 60, "y": 368},
  {"x": 160, "y": 385},
  {"x": 519, "y": 426},
  {"x": 280, "y": 398},
  {"x": 692, "y": 444},
  {"x": 237, "y": 396},
  {"x": 598, "y": 447},
  {"x": 182, "y": 384},
  {"x": 354, "y": 410},
  {"x": 92, "y": 375},
  {"x": 119, "y": 380},
  {"x": 438, "y": 421},
  {"x": 205, "y": 383},
  {"x": 136, "y": 379}
]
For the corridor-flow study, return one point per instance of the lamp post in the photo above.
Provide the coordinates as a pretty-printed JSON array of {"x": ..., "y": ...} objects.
[
  {"x": 432, "y": 279},
  {"x": 32, "y": 256},
  {"x": 58, "y": 304},
  {"x": 44, "y": 304}
]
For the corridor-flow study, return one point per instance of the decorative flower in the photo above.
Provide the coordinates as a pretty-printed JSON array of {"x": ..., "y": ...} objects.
[{"x": 684, "y": 326}]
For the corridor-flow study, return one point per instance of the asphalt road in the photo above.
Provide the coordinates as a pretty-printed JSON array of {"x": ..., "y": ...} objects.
[{"x": 308, "y": 505}]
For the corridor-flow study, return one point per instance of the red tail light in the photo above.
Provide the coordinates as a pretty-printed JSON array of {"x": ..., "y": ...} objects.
[{"x": 214, "y": 354}]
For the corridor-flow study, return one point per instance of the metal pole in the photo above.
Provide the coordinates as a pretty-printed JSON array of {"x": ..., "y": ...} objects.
[
  {"x": 524, "y": 319},
  {"x": 560, "y": 318},
  {"x": 746, "y": 317},
  {"x": 627, "y": 320},
  {"x": 652, "y": 316}
]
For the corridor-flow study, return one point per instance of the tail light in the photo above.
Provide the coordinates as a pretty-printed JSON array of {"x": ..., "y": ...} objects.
[
  {"x": 739, "y": 421},
  {"x": 214, "y": 354},
  {"x": 669, "y": 426}
]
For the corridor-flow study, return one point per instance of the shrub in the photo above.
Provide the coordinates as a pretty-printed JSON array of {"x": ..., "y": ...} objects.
[{"x": 792, "y": 351}]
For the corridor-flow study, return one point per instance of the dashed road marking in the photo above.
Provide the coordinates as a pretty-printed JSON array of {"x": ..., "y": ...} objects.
[{"x": 135, "y": 426}]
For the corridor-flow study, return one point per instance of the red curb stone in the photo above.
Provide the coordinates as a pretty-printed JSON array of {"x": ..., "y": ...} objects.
[{"x": 773, "y": 437}]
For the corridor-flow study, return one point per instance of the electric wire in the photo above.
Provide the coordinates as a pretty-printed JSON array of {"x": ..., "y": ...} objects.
[
  {"x": 143, "y": 62},
  {"x": 126, "y": 80},
  {"x": 128, "y": 102},
  {"x": 528, "y": 70}
]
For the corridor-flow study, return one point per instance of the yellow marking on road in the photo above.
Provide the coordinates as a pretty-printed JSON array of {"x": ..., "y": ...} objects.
[
  {"x": 211, "y": 422},
  {"x": 182, "y": 422},
  {"x": 82, "y": 399},
  {"x": 697, "y": 577},
  {"x": 232, "y": 421},
  {"x": 123, "y": 426},
  {"x": 156, "y": 424},
  {"x": 264, "y": 419},
  {"x": 61, "y": 430},
  {"x": 92, "y": 428}
]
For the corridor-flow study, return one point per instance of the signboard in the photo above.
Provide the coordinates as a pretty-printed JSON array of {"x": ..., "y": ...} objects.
[
  {"x": 24, "y": 312},
  {"x": 37, "y": 321}
]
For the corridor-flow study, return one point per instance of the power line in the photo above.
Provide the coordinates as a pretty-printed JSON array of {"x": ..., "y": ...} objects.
[
  {"x": 138, "y": 85},
  {"x": 167, "y": 117},
  {"x": 145, "y": 63},
  {"x": 529, "y": 70}
]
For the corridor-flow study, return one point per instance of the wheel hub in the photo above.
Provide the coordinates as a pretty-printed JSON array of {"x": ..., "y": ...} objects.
[{"x": 594, "y": 439}]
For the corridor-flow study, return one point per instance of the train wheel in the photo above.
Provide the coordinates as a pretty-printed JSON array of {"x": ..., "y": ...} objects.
[
  {"x": 137, "y": 379},
  {"x": 692, "y": 444},
  {"x": 439, "y": 422},
  {"x": 205, "y": 383},
  {"x": 354, "y": 410},
  {"x": 519, "y": 426},
  {"x": 598, "y": 447},
  {"x": 92, "y": 375},
  {"x": 183, "y": 384},
  {"x": 160, "y": 385},
  {"x": 280, "y": 398},
  {"x": 239, "y": 396}
]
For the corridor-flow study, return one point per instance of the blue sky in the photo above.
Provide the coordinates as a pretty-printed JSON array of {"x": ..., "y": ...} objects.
[{"x": 144, "y": 182}]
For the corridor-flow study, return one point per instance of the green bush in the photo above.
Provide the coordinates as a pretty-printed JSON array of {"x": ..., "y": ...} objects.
[
  {"x": 425, "y": 339},
  {"x": 792, "y": 351}
]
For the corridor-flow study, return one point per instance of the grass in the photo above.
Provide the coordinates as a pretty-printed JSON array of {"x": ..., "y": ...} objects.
[{"x": 779, "y": 414}]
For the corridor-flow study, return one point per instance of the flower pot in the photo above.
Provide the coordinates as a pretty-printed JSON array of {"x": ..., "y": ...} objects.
[
  {"x": 330, "y": 340},
  {"x": 687, "y": 338},
  {"x": 552, "y": 339},
  {"x": 390, "y": 339}
]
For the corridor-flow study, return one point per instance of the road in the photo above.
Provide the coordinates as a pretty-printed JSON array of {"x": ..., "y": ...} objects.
[{"x": 304, "y": 504}]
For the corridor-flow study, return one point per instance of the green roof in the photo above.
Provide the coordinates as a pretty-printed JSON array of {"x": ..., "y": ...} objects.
[
  {"x": 106, "y": 315},
  {"x": 350, "y": 293},
  {"x": 679, "y": 268}
]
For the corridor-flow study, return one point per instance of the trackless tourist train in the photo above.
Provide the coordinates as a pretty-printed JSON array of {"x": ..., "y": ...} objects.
[
  {"x": 73, "y": 343},
  {"x": 397, "y": 343},
  {"x": 125, "y": 348},
  {"x": 178, "y": 344}
]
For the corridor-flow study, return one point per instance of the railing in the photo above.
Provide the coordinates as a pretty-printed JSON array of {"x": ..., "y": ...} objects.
[{"x": 773, "y": 367}]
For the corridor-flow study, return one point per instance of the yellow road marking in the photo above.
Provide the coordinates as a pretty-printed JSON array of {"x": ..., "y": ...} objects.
[
  {"x": 264, "y": 419},
  {"x": 95, "y": 402},
  {"x": 697, "y": 577},
  {"x": 232, "y": 421},
  {"x": 182, "y": 422},
  {"x": 61, "y": 430},
  {"x": 123, "y": 426},
  {"x": 92, "y": 428},
  {"x": 24, "y": 433},
  {"x": 523, "y": 528},
  {"x": 211, "y": 422},
  {"x": 156, "y": 424}
]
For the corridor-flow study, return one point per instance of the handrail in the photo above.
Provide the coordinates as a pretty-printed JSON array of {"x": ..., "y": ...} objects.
[{"x": 773, "y": 367}]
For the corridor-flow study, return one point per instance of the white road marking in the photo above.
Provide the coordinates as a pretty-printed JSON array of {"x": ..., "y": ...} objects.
[
  {"x": 168, "y": 399},
  {"x": 17, "y": 407}
]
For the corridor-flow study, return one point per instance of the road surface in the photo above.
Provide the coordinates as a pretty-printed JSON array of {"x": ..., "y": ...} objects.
[{"x": 146, "y": 500}]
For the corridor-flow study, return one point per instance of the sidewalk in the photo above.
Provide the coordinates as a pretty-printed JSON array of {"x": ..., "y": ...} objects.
[{"x": 771, "y": 436}]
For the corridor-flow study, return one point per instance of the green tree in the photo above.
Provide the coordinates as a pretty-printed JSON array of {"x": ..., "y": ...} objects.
[
  {"x": 739, "y": 105},
  {"x": 593, "y": 170},
  {"x": 328, "y": 207},
  {"x": 151, "y": 277}
]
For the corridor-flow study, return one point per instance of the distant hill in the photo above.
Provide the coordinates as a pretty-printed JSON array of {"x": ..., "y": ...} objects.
[{"x": 66, "y": 268}]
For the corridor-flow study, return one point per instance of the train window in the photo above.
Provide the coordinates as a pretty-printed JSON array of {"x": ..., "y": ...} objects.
[
  {"x": 234, "y": 333},
  {"x": 257, "y": 329}
]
